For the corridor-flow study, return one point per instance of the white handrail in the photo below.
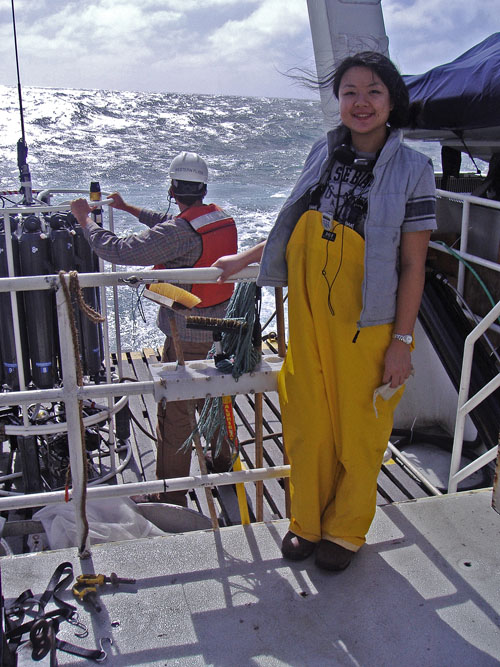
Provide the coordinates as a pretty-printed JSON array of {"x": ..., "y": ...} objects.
[
  {"x": 465, "y": 404},
  {"x": 153, "y": 486}
]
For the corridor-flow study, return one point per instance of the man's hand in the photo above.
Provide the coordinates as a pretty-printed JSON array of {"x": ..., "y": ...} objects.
[
  {"x": 81, "y": 210},
  {"x": 118, "y": 202}
]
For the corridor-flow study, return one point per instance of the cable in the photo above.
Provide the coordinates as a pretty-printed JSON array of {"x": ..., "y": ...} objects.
[
  {"x": 471, "y": 269},
  {"x": 132, "y": 416},
  {"x": 323, "y": 270}
]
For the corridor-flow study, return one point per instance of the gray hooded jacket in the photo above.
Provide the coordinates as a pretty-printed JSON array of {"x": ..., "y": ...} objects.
[{"x": 397, "y": 172}]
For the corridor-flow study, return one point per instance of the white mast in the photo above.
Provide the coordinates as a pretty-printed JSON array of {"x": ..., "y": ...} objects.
[{"x": 340, "y": 28}]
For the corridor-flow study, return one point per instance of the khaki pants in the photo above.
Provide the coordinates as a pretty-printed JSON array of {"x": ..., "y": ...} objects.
[{"x": 174, "y": 427}]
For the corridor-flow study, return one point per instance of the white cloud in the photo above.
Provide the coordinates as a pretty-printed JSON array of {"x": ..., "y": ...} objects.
[
  {"x": 426, "y": 33},
  {"x": 152, "y": 44},
  {"x": 210, "y": 46},
  {"x": 272, "y": 20}
]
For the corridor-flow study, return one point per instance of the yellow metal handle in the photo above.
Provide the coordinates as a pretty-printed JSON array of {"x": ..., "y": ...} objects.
[{"x": 241, "y": 495}]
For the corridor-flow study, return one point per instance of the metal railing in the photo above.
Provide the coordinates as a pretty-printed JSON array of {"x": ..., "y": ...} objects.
[
  {"x": 71, "y": 393},
  {"x": 464, "y": 403}
]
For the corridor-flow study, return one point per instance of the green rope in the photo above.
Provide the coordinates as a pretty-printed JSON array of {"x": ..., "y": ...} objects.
[
  {"x": 240, "y": 345},
  {"x": 244, "y": 351}
]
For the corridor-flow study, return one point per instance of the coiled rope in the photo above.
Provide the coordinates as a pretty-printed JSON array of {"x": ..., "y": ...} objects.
[
  {"x": 243, "y": 347},
  {"x": 72, "y": 293}
]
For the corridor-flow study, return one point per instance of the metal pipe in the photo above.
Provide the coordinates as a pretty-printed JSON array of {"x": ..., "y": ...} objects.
[
  {"x": 85, "y": 392},
  {"x": 461, "y": 196},
  {"x": 464, "y": 240},
  {"x": 473, "y": 259},
  {"x": 156, "y": 486},
  {"x": 57, "y": 208},
  {"x": 202, "y": 275},
  {"x": 75, "y": 444},
  {"x": 475, "y": 465},
  {"x": 481, "y": 395},
  {"x": 413, "y": 470}
]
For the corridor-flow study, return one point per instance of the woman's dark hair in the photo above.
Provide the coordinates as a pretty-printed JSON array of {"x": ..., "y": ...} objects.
[
  {"x": 383, "y": 67},
  {"x": 386, "y": 71}
]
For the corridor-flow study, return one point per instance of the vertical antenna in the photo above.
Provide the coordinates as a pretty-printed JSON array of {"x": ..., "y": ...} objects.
[{"x": 22, "y": 148}]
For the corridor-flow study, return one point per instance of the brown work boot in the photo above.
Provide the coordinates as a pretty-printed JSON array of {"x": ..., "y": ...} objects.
[
  {"x": 331, "y": 556},
  {"x": 294, "y": 547}
]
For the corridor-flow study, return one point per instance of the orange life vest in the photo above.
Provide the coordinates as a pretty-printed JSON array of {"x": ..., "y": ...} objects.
[{"x": 219, "y": 237}]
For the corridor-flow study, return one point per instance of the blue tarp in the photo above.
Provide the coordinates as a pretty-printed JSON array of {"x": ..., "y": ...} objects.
[{"x": 463, "y": 94}]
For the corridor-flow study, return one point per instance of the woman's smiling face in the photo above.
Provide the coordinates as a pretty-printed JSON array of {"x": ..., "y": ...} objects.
[{"x": 365, "y": 106}]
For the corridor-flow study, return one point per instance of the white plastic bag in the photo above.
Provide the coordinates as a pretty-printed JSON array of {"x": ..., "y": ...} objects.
[{"x": 110, "y": 520}]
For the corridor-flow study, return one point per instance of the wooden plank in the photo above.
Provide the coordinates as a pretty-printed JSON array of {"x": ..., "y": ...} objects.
[
  {"x": 272, "y": 489},
  {"x": 142, "y": 373},
  {"x": 143, "y": 466}
]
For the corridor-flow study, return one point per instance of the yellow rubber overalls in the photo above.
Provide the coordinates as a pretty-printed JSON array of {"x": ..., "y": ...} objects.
[{"x": 334, "y": 440}]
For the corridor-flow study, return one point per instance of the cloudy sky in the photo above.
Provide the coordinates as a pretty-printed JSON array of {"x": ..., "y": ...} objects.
[{"x": 235, "y": 47}]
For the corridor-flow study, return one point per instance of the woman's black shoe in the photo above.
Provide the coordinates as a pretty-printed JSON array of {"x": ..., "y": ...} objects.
[{"x": 294, "y": 547}]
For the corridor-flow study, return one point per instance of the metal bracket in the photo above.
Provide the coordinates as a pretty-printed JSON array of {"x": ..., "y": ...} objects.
[{"x": 200, "y": 379}]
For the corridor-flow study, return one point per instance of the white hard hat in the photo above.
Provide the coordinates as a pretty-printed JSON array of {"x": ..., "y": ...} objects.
[{"x": 189, "y": 167}]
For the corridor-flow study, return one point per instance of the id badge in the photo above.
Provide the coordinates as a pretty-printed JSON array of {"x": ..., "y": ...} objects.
[{"x": 328, "y": 223}]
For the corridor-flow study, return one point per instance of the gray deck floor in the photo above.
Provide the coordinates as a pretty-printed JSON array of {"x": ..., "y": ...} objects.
[{"x": 423, "y": 591}]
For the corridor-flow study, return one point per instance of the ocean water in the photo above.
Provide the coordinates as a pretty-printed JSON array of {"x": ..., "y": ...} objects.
[{"x": 255, "y": 149}]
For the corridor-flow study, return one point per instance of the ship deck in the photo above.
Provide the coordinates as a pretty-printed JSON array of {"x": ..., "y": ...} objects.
[
  {"x": 423, "y": 591},
  {"x": 397, "y": 482}
]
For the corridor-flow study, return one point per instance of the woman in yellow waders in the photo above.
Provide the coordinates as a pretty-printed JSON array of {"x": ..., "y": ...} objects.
[
  {"x": 351, "y": 243},
  {"x": 334, "y": 437}
]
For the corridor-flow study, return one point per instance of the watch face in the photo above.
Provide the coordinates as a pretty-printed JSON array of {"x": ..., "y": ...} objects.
[{"x": 405, "y": 338}]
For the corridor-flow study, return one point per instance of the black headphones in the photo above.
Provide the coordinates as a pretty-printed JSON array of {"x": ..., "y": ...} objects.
[{"x": 347, "y": 155}]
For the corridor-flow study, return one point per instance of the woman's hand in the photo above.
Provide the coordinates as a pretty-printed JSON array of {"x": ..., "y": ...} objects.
[
  {"x": 231, "y": 264},
  {"x": 398, "y": 366}
]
